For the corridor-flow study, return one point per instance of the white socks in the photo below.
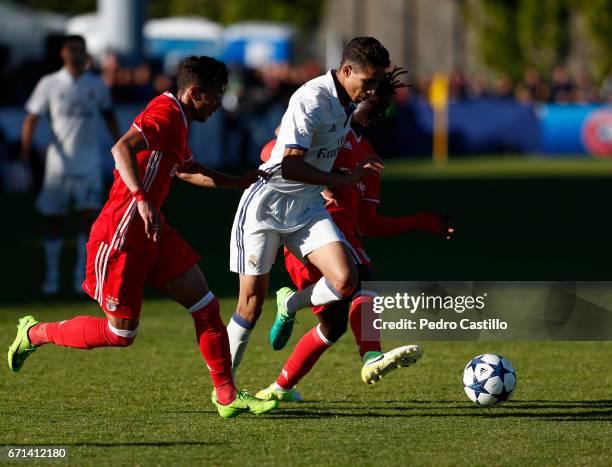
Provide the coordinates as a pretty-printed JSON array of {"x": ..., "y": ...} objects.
[
  {"x": 319, "y": 293},
  {"x": 238, "y": 332},
  {"x": 53, "y": 250},
  {"x": 81, "y": 251}
]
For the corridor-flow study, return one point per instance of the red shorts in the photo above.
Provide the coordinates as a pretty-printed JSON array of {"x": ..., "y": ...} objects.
[
  {"x": 304, "y": 275},
  {"x": 115, "y": 278}
]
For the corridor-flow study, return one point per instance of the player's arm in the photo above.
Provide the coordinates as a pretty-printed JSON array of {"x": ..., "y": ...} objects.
[
  {"x": 111, "y": 123},
  {"x": 124, "y": 152},
  {"x": 200, "y": 175},
  {"x": 27, "y": 135},
  {"x": 294, "y": 167},
  {"x": 372, "y": 224}
]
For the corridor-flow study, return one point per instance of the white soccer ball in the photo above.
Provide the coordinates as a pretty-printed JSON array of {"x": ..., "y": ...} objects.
[{"x": 489, "y": 379}]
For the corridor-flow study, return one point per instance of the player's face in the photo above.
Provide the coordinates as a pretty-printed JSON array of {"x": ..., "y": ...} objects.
[
  {"x": 360, "y": 83},
  {"x": 74, "y": 54},
  {"x": 365, "y": 110},
  {"x": 205, "y": 103}
]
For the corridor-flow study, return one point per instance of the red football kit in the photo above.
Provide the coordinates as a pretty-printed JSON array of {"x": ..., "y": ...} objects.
[{"x": 120, "y": 257}]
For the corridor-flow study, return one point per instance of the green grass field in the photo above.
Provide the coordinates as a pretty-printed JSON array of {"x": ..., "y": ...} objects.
[{"x": 150, "y": 404}]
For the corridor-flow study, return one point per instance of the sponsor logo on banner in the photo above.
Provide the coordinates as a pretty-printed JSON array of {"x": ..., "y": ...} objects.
[{"x": 597, "y": 133}]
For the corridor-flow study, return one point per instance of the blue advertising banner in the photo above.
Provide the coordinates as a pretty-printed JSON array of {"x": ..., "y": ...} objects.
[{"x": 576, "y": 129}]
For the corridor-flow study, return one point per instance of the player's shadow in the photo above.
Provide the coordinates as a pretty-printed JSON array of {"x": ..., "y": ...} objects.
[{"x": 590, "y": 410}]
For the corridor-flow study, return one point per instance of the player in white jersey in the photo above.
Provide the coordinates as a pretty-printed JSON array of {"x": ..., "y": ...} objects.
[
  {"x": 287, "y": 208},
  {"x": 72, "y": 99}
]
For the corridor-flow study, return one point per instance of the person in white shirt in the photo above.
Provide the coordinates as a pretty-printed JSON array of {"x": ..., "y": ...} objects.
[
  {"x": 72, "y": 99},
  {"x": 287, "y": 208}
]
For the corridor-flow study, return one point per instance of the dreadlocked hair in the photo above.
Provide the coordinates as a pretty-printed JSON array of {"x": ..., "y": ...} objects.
[{"x": 386, "y": 88}]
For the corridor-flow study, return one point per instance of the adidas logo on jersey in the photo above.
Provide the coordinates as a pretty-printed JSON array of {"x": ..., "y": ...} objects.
[
  {"x": 333, "y": 128},
  {"x": 348, "y": 146}
]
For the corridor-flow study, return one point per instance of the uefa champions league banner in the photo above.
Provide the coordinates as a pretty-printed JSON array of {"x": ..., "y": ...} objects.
[
  {"x": 494, "y": 125},
  {"x": 576, "y": 129},
  {"x": 487, "y": 311}
]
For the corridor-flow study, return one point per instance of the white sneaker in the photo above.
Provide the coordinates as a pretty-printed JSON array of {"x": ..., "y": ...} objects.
[
  {"x": 50, "y": 285},
  {"x": 375, "y": 368}
]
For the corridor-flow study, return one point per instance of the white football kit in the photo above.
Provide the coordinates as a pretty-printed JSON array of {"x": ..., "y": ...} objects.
[
  {"x": 73, "y": 166},
  {"x": 280, "y": 211}
]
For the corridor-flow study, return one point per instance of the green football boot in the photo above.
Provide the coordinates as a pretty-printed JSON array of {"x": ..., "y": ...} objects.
[
  {"x": 283, "y": 324},
  {"x": 21, "y": 348},
  {"x": 244, "y": 402},
  {"x": 273, "y": 393},
  {"x": 375, "y": 368}
]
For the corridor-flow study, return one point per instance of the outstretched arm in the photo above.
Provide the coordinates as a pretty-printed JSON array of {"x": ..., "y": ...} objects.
[
  {"x": 372, "y": 224},
  {"x": 111, "y": 124},
  {"x": 294, "y": 167},
  {"x": 200, "y": 175}
]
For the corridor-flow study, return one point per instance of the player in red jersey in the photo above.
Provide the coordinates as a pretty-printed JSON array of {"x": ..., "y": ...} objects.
[
  {"x": 131, "y": 243},
  {"x": 354, "y": 210}
]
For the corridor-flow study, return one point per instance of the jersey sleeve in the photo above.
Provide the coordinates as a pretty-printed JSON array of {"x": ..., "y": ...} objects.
[
  {"x": 161, "y": 132},
  {"x": 38, "y": 103},
  {"x": 299, "y": 123}
]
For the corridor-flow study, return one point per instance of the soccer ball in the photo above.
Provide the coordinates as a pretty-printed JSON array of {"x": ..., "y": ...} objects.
[{"x": 489, "y": 379}]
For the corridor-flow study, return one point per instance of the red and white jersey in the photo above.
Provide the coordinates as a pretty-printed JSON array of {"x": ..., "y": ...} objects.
[
  {"x": 164, "y": 129},
  {"x": 349, "y": 198}
]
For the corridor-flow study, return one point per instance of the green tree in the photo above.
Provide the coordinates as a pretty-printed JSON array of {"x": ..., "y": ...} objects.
[
  {"x": 543, "y": 32},
  {"x": 598, "y": 16},
  {"x": 497, "y": 26}
]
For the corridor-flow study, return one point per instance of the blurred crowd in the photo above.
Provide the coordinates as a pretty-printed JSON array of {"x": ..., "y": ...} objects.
[
  {"x": 252, "y": 88},
  {"x": 561, "y": 87},
  {"x": 255, "y": 99}
]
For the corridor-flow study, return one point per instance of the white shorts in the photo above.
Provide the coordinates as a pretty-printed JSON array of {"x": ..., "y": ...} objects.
[
  {"x": 60, "y": 191},
  {"x": 267, "y": 219}
]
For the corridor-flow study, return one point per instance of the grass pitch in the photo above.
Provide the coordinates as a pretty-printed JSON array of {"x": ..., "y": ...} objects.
[{"x": 149, "y": 404}]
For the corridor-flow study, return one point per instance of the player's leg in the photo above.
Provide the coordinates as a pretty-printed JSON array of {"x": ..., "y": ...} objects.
[
  {"x": 115, "y": 280},
  {"x": 339, "y": 278},
  {"x": 253, "y": 290},
  {"x": 52, "y": 203},
  {"x": 176, "y": 273},
  {"x": 322, "y": 245},
  {"x": 52, "y": 243},
  {"x": 253, "y": 249},
  {"x": 338, "y": 281},
  {"x": 376, "y": 364},
  {"x": 332, "y": 325},
  {"x": 191, "y": 290},
  {"x": 80, "y": 332},
  {"x": 88, "y": 199}
]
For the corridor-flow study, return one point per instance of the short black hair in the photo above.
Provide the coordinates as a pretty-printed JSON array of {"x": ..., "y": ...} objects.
[
  {"x": 73, "y": 38},
  {"x": 366, "y": 51},
  {"x": 203, "y": 71}
]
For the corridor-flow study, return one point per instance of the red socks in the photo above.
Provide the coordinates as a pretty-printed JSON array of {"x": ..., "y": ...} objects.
[
  {"x": 304, "y": 356},
  {"x": 82, "y": 332},
  {"x": 211, "y": 335},
  {"x": 361, "y": 317}
]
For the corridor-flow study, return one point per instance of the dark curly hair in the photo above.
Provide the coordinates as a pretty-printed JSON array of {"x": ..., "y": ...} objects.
[
  {"x": 386, "y": 90},
  {"x": 366, "y": 51},
  {"x": 203, "y": 71}
]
